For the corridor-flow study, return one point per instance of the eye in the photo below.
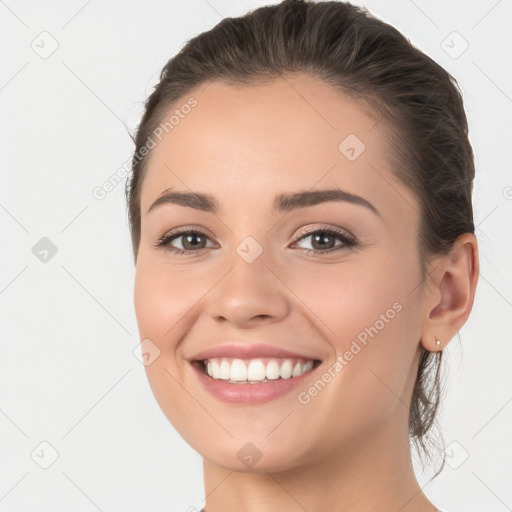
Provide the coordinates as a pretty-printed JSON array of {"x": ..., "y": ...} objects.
[
  {"x": 191, "y": 240},
  {"x": 324, "y": 240}
]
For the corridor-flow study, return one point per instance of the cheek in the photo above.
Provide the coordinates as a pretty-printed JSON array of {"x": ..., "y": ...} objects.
[
  {"x": 351, "y": 301},
  {"x": 370, "y": 319},
  {"x": 162, "y": 297}
]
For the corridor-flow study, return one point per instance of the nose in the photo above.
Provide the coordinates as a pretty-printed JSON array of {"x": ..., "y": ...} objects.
[{"x": 250, "y": 293}]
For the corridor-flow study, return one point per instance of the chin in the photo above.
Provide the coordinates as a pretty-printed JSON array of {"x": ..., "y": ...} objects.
[{"x": 248, "y": 457}]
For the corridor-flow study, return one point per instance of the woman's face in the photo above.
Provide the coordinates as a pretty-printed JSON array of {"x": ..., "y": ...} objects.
[{"x": 249, "y": 275}]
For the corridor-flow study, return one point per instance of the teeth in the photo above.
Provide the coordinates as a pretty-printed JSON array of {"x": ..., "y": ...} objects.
[
  {"x": 296, "y": 370},
  {"x": 225, "y": 370},
  {"x": 286, "y": 369},
  {"x": 238, "y": 370},
  {"x": 215, "y": 369},
  {"x": 272, "y": 370},
  {"x": 308, "y": 366},
  {"x": 255, "y": 370}
]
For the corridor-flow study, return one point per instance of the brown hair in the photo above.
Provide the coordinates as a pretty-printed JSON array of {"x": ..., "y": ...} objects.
[{"x": 418, "y": 101}]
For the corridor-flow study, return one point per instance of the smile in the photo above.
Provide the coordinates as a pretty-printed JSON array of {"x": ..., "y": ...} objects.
[
  {"x": 253, "y": 381},
  {"x": 255, "y": 371}
]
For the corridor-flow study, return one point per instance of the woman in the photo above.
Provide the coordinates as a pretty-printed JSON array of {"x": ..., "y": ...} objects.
[{"x": 302, "y": 227}]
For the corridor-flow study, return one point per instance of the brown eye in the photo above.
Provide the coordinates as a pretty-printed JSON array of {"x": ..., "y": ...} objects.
[
  {"x": 322, "y": 240},
  {"x": 184, "y": 241},
  {"x": 325, "y": 240},
  {"x": 193, "y": 241}
]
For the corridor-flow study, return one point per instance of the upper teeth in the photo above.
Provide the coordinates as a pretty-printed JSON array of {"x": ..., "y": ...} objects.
[{"x": 255, "y": 370}]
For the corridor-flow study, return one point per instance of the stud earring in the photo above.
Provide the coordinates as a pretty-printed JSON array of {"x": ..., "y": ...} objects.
[{"x": 438, "y": 343}]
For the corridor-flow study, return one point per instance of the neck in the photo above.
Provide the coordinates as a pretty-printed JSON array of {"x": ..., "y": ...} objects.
[{"x": 374, "y": 473}]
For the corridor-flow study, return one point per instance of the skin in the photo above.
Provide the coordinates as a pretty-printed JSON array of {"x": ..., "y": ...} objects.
[{"x": 348, "y": 448}]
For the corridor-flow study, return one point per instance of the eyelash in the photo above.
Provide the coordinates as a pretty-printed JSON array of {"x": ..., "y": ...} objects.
[{"x": 348, "y": 240}]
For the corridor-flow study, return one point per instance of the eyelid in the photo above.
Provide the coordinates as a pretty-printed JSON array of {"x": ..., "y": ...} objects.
[
  {"x": 183, "y": 230},
  {"x": 336, "y": 229}
]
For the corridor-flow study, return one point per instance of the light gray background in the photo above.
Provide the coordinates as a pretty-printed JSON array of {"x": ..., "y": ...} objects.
[{"x": 68, "y": 374}]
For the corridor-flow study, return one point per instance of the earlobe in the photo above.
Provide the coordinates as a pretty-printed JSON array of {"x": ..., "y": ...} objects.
[{"x": 454, "y": 293}]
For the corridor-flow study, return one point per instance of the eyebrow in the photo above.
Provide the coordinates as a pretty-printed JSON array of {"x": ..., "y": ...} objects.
[{"x": 282, "y": 202}]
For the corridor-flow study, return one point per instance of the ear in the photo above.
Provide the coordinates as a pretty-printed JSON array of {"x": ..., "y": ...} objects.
[{"x": 451, "y": 297}]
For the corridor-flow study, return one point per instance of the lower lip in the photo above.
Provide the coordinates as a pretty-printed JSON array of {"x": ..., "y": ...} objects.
[{"x": 245, "y": 393}]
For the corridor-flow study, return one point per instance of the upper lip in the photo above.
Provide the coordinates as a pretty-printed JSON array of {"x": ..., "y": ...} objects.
[{"x": 249, "y": 352}]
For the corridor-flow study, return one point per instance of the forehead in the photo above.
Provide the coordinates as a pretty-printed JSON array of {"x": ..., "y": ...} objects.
[{"x": 291, "y": 133}]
